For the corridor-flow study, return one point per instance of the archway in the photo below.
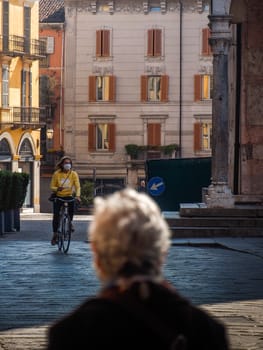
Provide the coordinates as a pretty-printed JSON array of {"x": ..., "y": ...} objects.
[
  {"x": 5, "y": 155},
  {"x": 25, "y": 165}
]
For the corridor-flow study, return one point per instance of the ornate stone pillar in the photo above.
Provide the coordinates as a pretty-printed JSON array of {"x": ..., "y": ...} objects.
[{"x": 219, "y": 194}]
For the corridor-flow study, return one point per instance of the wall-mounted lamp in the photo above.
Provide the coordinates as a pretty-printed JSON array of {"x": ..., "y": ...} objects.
[{"x": 50, "y": 133}]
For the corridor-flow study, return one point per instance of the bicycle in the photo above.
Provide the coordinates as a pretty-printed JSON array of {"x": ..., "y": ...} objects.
[{"x": 65, "y": 228}]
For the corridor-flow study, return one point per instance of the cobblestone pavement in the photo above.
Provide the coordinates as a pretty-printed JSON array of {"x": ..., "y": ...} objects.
[
  {"x": 243, "y": 320},
  {"x": 38, "y": 284}
]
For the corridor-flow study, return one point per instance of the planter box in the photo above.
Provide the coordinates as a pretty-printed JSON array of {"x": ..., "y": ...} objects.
[{"x": 10, "y": 221}]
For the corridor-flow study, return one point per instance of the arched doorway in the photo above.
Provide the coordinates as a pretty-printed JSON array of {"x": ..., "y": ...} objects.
[
  {"x": 5, "y": 155},
  {"x": 25, "y": 165}
]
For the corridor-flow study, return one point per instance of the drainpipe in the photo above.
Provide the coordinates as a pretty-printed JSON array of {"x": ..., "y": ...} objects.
[
  {"x": 237, "y": 115},
  {"x": 180, "y": 80},
  {"x": 61, "y": 141}
]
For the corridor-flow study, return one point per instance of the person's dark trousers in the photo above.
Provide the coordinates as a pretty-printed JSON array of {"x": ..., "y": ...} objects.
[{"x": 56, "y": 208}]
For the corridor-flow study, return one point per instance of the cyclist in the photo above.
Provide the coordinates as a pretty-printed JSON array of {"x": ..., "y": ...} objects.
[{"x": 65, "y": 183}]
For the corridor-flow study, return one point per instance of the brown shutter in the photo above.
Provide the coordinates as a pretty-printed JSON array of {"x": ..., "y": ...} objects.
[
  {"x": 164, "y": 88},
  {"x": 98, "y": 43},
  {"x": 112, "y": 137},
  {"x": 144, "y": 81},
  {"x": 154, "y": 134},
  {"x": 112, "y": 87},
  {"x": 92, "y": 88},
  {"x": 197, "y": 87},
  {"x": 150, "y": 42},
  {"x": 92, "y": 137},
  {"x": 206, "y": 49},
  {"x": 197, "y": 137},
  {"x": 157, "y": 42},
  {"x": 105, "y": 43}
]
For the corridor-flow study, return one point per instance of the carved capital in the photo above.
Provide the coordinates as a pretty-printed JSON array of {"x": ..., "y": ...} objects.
[
  {"x": 220, "y": 46},
  {"x": 221, "y": 36}
]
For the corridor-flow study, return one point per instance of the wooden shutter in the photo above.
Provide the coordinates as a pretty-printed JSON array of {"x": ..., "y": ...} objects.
[
  {"x": 23, "y": 88},
  {"x": 5, "y": 19},
  {"x": 197, "y": 137},
  {"x": 197, "y": 87},
  {"x": 157, "y": 42},
  {"x": 164, "y": 88},
  {"x": 112, "y": 88},
  {"x": 98, "y": 43},
  {"x": 206, "y": 48},
  {"x": 92, "y": 137},
  {"x": 27, "y": 28},
  {"x": 144, "y": 83},
  {"x": 150, "y": 35},
  {"x": 30, "y": 89},
  {"x": 5, "y": 86},
  {"x": 92, "y": 88},
  {"x": 102, "y": 43},
  {"x": 154, "y": 134},
  {"x": 105, "y": 43},
  {"x": 112, "y": 137}
]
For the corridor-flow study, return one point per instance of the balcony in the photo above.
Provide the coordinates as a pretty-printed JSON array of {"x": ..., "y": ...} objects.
[
  {"x": 23, "y": 117},
  {"x": 14, "y": 45},
  {"x": 138, "y": 154}
]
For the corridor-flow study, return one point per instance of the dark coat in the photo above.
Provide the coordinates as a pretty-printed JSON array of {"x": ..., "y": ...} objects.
[{"x": 146, "y": 316}]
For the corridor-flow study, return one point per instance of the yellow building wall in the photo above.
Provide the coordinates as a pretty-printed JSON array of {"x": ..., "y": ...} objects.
[
  {"x": 16, "y": 65},
  {"x": 16, "y": 11}
]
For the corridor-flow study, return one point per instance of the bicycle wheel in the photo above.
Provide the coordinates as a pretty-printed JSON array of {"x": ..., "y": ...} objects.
[
  {"x": 66, "y": 233},
  {"x": 60, "y": 235}
]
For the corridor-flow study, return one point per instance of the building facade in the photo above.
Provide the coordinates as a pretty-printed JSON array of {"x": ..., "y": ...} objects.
[
  {"x": 51, "y": 72},
  {"x": 20, "y": 115},
  {"x": 138, "y": 85}
]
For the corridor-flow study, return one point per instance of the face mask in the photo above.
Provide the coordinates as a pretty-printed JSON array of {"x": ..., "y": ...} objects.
[{"x": 67, "y": 166}]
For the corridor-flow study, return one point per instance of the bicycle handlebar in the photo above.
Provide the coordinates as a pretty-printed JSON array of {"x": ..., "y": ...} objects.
[{"x": 65, "y": 200}]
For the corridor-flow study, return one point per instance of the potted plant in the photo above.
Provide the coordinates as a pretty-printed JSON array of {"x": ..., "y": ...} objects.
[
  {"x": 87, "y": 195},
  {"x": 132, "y": 150},
  {"x": 169, "y": 149}
]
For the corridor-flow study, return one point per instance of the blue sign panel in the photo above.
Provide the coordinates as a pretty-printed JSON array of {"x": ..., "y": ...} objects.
[{"x": 155, "y": 186}]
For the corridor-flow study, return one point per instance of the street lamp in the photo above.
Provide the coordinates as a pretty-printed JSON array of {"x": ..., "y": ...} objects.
[{"x": 50, "y": 133}]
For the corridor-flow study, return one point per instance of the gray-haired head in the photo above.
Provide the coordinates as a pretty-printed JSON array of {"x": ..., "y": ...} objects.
[{"x": 128, "y": 233}]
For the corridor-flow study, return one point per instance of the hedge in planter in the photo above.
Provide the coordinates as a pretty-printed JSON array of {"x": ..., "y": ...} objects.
[
  {"x": 13, "y": 187},
  {"x": 5, "y": 189}
]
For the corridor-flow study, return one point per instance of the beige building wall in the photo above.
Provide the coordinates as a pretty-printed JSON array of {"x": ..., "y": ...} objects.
[{"x": 128, "y": 24}]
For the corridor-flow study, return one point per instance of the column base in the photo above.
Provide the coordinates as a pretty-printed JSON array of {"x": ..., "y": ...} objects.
[{"x": 219, "y": 195}]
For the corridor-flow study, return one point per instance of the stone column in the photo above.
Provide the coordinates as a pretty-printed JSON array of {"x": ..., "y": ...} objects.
[
  {"x": 219, "y": 194},
  {"x": 36, "y": 183}
]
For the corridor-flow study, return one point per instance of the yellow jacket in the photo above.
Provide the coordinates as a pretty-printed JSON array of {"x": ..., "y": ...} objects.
[{"x": 69, "y": 181}]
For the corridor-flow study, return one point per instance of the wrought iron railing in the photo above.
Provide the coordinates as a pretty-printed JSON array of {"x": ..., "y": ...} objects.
[
  {"x": 19, "y": 45},
  {"x": 26, "y": 116}
]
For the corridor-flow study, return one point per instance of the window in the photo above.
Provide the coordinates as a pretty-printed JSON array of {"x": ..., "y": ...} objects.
[
  {"x": 203, "y": 87},
  {"x": 206, "y": 48},
  {"x": 154, "y": 88},
  {"x": 101, "y": 137},
  {"x": 154, "y": 43},
  {"x": 44, "y": 62},
  {"x": 5, "y": 86},
  {"x": 49, "y": 44},
  {"x": 155, "y": 8},
  {"x": 103, "y": 43},
  {"x": 202, "y": 136},
  {"x": 153, "y": 134},
  {"x": 102, "y": 88}
]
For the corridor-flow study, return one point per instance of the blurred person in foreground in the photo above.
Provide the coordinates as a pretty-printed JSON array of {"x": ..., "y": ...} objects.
[{"x": 136, "y": 307}]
